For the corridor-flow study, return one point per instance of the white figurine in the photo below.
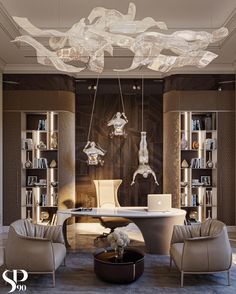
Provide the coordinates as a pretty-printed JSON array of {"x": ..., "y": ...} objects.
[
  {"x": 144, "y": 168},
  {"x": 94, "y": 153},
  {"x": 118, "y": 121}
]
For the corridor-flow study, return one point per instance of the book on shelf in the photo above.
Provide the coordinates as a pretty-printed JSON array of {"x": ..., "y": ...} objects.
[
  {"x": 197, "y": 163},
  {"x": 54, "y": 219}
]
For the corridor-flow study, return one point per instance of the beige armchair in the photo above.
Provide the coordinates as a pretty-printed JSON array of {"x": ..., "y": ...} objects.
[
  {"x": 35, "y": 248},
  {"x": 201, "y": 249}
]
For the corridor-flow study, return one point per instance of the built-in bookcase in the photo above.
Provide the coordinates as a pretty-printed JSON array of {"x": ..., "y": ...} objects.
[
  {"x": 198, "y": 165},
  {"x": 40, "y": 167}
]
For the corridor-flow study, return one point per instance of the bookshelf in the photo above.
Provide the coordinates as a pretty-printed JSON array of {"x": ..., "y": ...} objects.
[
  {"x": 198, "y": 165},
  {"x": 40, "y": 167}
]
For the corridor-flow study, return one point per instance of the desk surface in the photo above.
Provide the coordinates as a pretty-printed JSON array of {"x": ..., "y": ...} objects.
[{"x": 125, "y": 211}]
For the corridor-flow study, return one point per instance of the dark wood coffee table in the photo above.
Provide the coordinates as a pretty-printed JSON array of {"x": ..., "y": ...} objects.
[{"x": 109, "y": 269}]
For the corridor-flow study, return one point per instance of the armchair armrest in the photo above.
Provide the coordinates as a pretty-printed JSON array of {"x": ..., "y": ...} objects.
[{"x": 31, "y": 254}]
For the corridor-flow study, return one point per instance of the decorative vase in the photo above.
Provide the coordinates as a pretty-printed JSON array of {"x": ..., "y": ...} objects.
[
  {"x": 28, "y": 163},
  {"x": 120, "y": 253},
  {"x": 209, "y": 163},
  {"x": 184, "y": 142}
]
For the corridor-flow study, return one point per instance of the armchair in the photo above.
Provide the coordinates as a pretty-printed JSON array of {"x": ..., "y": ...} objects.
[
  {"x": 106, "y": 192},
  {"x": 201, "y": 249},
  {"x": 35, "y": 248}
]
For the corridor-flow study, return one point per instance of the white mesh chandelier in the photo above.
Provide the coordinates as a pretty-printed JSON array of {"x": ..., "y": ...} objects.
[{"x": 83, "y": 46}]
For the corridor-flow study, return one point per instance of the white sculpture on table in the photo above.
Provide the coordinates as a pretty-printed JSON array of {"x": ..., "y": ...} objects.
[
  {"x": 118, "y": 121},
  {"x": 94, "y": 153},
  {"x": 144, "y": 168}
]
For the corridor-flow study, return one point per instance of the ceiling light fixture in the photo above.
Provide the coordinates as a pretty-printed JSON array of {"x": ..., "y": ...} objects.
[{"x": 87, "y": 41}]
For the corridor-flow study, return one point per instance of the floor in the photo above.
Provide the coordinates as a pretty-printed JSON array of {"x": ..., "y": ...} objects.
[{"x": 78, "y": 275}]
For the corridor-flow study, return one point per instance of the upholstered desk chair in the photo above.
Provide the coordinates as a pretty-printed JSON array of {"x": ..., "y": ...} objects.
[
  {"x": 35, "y": 248},
  {"x": 106, "y": 192},
  {"x": 201, "y": 249}
]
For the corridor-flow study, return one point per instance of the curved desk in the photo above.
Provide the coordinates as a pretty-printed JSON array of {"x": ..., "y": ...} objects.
[{"x": 156, "y": 227}]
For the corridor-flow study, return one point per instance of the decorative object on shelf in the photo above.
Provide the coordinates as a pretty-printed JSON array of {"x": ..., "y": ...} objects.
[
  {"x": 184, "y": 164},
  {"x": 210, "y": 144},
  {"x": 55, "y": 199},
  {"x": 193, "y": 215},
  {"x": 197, "y": 163},
  {"x": 42, "y": 125},
  {"x": 31, "y": 181},
  {"x": 206, "y": 180},
  {"x": 119, "y": 120},
  {"x": 54, "y": 184},
  {"x": 93, "y": 151},
  {"x": 28, "y": 163},
  {"x": 29, "y": 215},
  {"x": 88, "y": 40},
  {"x": 196, "y": 125},
  {"x": 118, "y": 241},
  {"x": 40, "y": 163},
  {"x": 43, "y": 199},
  {"x": 184, "y": 142},
  {"x": 53, "y": 164},
  {"x": 208, "y": 197},
  {"x": 183, "y": 199},
  {"x": 208, "y": 214},
  {"x": 44, "y": 215},
  {"x": 183, "y": 184},
  {"x": 27, "y": 144},
  {"x": 53, "y": 141},
  {"x": 41, "y": 183},
  {"x": 28, "y": 198},
  {"x": 41, "y": 145},
  {"x": 209, "y": 163},
  {"x": 144, "y": 168},
  {"x": 195, "y": 145}
]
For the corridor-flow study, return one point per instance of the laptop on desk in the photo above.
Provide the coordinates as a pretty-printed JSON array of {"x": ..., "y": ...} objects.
[{"x": 159, "y": 202}]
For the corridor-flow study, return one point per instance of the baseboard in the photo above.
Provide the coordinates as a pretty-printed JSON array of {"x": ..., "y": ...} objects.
[{"x": 4, "y": 229}]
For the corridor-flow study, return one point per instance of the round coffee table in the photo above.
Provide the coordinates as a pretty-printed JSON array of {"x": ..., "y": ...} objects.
[{"x": 109, "y": 269}]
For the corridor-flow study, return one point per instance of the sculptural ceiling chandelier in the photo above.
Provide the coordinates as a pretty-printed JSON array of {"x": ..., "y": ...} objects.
[{"x": 83, "y": 46}]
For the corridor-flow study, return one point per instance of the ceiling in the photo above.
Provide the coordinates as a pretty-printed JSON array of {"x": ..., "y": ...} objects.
[{"x": 204, "y": 15}]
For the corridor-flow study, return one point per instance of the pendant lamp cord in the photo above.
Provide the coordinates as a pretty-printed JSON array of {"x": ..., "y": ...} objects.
[
  {"x": 142, "y": 100},
  {"x": 94, "y": 100},
  {"x": 121, "y": 95}
]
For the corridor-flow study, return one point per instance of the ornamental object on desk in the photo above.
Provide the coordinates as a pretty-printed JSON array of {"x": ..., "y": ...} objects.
[{"x": 119, "y": 120}]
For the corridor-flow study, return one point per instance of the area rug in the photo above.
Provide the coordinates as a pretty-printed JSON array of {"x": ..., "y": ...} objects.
[{"x": 78, "y": 276}]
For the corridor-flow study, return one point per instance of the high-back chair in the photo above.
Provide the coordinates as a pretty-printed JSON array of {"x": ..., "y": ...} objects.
[{"x": 106, "y": 193}]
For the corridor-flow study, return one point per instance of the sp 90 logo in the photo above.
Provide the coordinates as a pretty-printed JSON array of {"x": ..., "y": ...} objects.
[{"x": 14, "y": 281}]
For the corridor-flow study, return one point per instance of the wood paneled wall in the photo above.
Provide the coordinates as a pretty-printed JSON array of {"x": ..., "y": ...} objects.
[{"x": 121, "y": 159}]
